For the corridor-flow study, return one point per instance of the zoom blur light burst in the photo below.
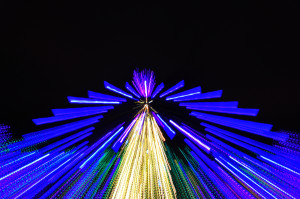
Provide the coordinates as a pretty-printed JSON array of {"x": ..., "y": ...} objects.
[{"x": 153, "y": 154}]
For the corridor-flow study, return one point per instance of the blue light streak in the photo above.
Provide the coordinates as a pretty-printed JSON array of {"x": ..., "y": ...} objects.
[
  {"x": 81, "y": 100},
  {"x": 93, "y": 94},
  {"x": 233, "y": 104},
  {"x": 46, "y": 120},
  {"x": 67, "y": 139},
  {"x": 166, "y": 124},
  {"x": 65, "y": 111},
  {"x": 280, "y": 165},
  {"x": 27, "y": 165},
  {"x": 59, "y": 130},
  {"x": 250, "y": 179},
  {"x": 239, "y": 177},
  {"x": 173, "y": 88},
  {"x": 214, "y": 162},
  {"x": 208, "y": 95},
  {"x": 243, "y": 138},
  {"x": 157, "y": 90},
  {"x": 103, "y": 145},
  {"x": 190, "y": 136},
  {"x": 131, "y": 89},
  {"x": 244, "y": 165},
  {"x": 43, "y": 178},
  {"x": 170, "y": 132},
  {"x": 115, "y": 89},
  {"x": 237, "y": 111},
  {"x": 251, "y": 124},
  {"x": 193, "y": 91}
]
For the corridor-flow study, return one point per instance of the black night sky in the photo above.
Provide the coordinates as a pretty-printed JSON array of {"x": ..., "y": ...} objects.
[{"x": 53, "y": 50}]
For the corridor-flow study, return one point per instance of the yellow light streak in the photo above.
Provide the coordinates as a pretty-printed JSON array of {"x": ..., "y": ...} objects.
[{"x": 144, "y": 171}]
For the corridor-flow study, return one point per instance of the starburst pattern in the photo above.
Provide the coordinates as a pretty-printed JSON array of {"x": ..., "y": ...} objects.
[{"x": 220, "y": 158}]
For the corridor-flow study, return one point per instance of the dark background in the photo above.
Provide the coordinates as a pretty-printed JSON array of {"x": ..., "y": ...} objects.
[{"x": 53, "y": 50}]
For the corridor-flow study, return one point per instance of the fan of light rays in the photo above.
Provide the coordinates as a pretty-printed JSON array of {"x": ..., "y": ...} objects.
[{"x": 153, "y": 154}]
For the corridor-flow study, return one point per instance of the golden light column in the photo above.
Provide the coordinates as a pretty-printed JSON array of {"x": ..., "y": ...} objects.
[{"x": 144, "y": 171}]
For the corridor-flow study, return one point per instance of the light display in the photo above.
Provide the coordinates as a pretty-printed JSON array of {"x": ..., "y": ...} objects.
[
  {"x": 4, "y": 133},
  {"x": 154, "y": 154}
]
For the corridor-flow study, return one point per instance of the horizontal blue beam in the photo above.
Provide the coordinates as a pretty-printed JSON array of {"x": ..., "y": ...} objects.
[
  {"x": 243, "y": 138},
  {"x": 251, "y": 124},
  {"x": 93, "y": 94},
  {"x": 64, "y": 131},
  {"x": 253, "y": 142},
  {"x": 67, "y": 139},
  {"x": 208, "y": 95},
  {"x": 65, "y": 111},
  {"x": 116, "y": 89},
  {"x": 227, "y": 148},
  {"x": 82, "y": 100},
  {"x": 157, "y": 90},
  {"x": 241, "y": 125},
  {"x": 232, "y": 104},
  {"x": 237, "y": 142},
  {"x": 131, "y": 89},
  {"x": 47, "y": 134},
  {"x": 46, "y": 120},
  {"x": 237, "y": 111},
  {"x": 190, "y": 92},
  {"x": 173, "y": 88},
  {"x": 62, "y": 128}
]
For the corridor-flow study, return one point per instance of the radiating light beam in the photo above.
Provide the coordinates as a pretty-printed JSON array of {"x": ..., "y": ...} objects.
[
  {"x": 190, "y": 136},
  {"x": 190, "y": 92},
  {"x": 81, "y": 100},
  {"x": 173, "y": 88},
  {"x": 115, "y": 89}
]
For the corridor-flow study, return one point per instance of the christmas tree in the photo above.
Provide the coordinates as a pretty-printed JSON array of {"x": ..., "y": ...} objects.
[{"x": 155, "y": 153}]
